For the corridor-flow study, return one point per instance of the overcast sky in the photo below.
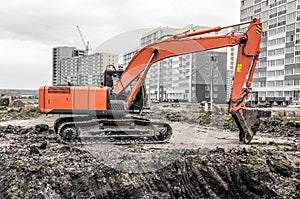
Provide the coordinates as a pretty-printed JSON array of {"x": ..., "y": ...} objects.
[{"x": 29, "y": 29}]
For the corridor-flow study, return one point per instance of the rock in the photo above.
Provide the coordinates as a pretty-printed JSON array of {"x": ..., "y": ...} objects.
[
  {"x": 41, "y": 127},
  {"x": 43, "y": 145},
  {"x": 33, "y": 150}
]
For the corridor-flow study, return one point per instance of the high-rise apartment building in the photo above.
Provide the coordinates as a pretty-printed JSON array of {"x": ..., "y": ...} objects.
[
  {"x": 277, "y": 76},
  {"x": 86, "y": 70},
  {"x": 59, "y": 53},
  {"x": 71, "y": 66},
  {"x": 186, "y": 77}
]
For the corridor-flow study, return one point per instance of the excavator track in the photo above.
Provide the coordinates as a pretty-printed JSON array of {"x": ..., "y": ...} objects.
[{"x": 88, "y": 130}]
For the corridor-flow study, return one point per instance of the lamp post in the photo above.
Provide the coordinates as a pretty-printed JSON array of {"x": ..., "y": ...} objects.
[{"x": 212, "y": 59}]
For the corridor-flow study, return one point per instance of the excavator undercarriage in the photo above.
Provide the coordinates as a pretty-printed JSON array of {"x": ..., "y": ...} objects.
[{"x": 88, "y": 129}]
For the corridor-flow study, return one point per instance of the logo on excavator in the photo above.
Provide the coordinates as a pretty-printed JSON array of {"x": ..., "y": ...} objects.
[
  {"x": 239, "y": 68},
  {"x": 258, "y": 29}
]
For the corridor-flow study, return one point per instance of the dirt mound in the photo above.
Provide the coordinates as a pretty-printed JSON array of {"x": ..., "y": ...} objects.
[
  {"x": 22, "y": 114},
  {"x": 34, "y": 163},
  {"x": 16, "y": 103}
]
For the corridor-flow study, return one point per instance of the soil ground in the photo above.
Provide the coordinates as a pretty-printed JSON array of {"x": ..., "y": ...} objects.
[{"x": 203, "y": 159}]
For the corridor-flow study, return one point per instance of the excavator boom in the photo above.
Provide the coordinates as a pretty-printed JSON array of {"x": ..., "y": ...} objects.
[{"x": 248, "y": 51}]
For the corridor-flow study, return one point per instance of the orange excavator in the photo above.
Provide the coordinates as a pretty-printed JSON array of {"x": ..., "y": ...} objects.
[{"x": 102, "y": 114}]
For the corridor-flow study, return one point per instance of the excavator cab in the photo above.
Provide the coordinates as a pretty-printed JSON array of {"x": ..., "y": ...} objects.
[{"x": 109, "y": 79}]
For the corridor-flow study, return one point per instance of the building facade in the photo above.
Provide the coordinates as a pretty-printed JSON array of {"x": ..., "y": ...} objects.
[
  {"x": 277, "y": 76},
  {"x": 59, "y": 53},
  {"x": 185, "y": 77},
  {"x": 86, "y": 70},
  {"x": 70, "y": 65},
  {"x": 127, "y": 56}
]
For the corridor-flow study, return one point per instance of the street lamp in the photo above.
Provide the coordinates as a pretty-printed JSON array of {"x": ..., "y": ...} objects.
[{"x": 213, "y": 60}]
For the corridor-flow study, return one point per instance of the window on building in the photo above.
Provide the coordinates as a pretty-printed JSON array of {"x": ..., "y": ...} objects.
[
  {"x": 289, "y": 38},
  {"x": 206, "y": 95},
  {"x": 289, "y": 82},
  {"x": 263, "y": 64},
  {"x": 264, "y": 34},
  {"x": 272, "y": 42},
  {"x": 263, "y": 54},
  {"x": 289, "y": 60},
  {"x": 280, "y": 30},
  {"x": 291, "y": 16},
  {"x": 271, "y": 52},
  {"x": 257, "y": 8},
  {"x": 279, "y": 62},
  {"x": 272, "y": 32},
  {"x": 291, "y": 5},
  {"x": 298, "y": 15},
  {"x": 273, "y": 13},
  {"x": 297, "y": 69},
  {"x": 281, "y": 40},
  {"x": 288, "y": 71},
  {"x": 264, "y": 14},
  {"x": 278, "y": 93},
  {"x": 290, "y": 27},
  {"x": 271, "y": 63},
  {"x": 297, "y": 50},
  {"x": 297, "y": 82},
  {"x": 289, "y": 49},
  {"x": 281, "y": 10},
  {"x": 279, "y": 83},
  {"x": 272, "y": 22},
  {"x": 255, "y": 84},
  {"x": 280, "y": 51},
  {"x": 279, "y": 72},
  {"x": 215, "y": 95},
  {"x": 262, "y": 74},
  {"x": 297, "y": 27},
  {"x": 264, "y": 4},
  {"x": 282, "y": 20},
  {"x": 271, "y": 73},
  {"x": 270, "y": 93}
]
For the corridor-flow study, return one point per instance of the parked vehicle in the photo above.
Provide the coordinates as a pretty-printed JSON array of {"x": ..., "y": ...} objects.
[{"x": 294, "y": 105}]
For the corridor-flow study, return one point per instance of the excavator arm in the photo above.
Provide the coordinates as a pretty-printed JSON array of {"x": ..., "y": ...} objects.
[{"x": 248, "y": 51}]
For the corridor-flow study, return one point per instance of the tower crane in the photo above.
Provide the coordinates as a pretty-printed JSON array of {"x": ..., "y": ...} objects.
[{"x": 85, "y": 44}]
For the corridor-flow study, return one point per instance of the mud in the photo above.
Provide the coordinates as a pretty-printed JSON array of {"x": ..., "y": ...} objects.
[{"x": 35, "y": 163}]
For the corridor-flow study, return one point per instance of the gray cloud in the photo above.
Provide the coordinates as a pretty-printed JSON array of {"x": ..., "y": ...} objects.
[{"x": 46, "y": 24}]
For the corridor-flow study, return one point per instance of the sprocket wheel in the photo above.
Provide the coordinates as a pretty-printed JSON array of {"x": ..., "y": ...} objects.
[{"x": 68, "y": 133}]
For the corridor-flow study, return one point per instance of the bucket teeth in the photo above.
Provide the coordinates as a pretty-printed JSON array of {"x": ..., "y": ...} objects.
[{"x": 248, "y": 122}]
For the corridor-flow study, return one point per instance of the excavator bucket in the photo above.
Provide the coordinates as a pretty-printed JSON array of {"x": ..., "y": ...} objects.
[{"x": 248, "y": 122}]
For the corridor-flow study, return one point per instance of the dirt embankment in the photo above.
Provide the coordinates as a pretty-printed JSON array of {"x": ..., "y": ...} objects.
[{"x": 34, "y": 163}]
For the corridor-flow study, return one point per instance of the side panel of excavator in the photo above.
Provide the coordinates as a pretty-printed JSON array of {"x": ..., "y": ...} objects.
[{"x": 73, "y": 99}]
